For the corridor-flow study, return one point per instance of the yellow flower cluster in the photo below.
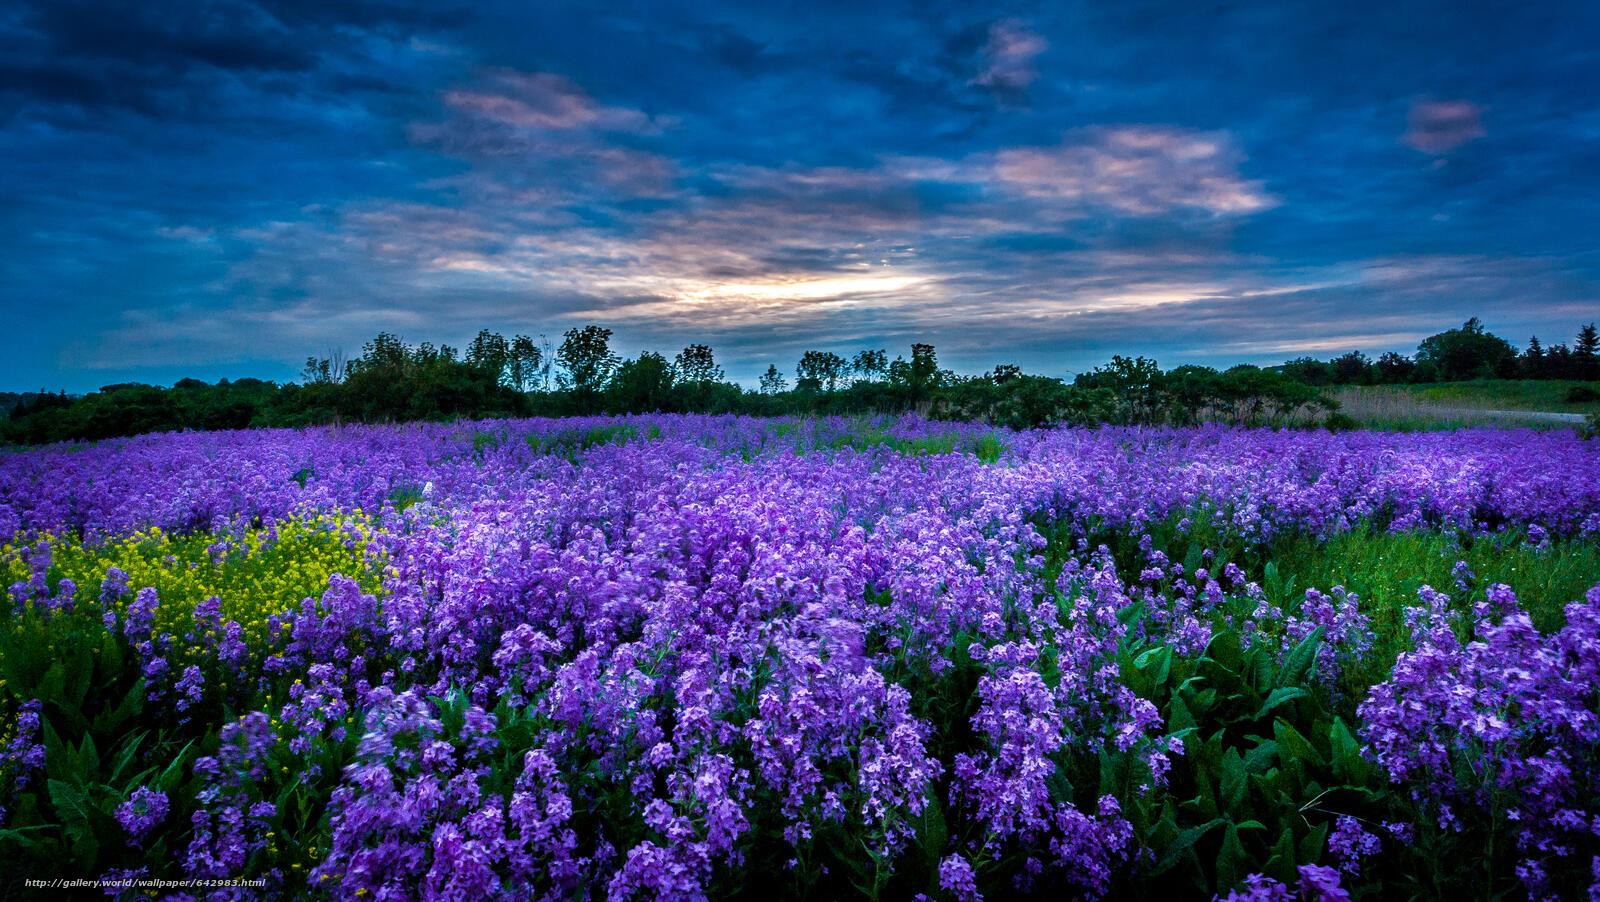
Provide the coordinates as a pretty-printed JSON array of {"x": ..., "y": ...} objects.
[{"x": 254, "y": 573}]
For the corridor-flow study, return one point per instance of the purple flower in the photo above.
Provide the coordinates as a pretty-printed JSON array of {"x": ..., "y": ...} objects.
[
  {"x": 1349, "y": 843},
  {"x": 956, "y": 878},
  {"x": 144, "y": 810}
]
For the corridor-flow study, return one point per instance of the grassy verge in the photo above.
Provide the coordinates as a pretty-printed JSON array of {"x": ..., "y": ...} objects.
[{"x": 1452, "y": 405}]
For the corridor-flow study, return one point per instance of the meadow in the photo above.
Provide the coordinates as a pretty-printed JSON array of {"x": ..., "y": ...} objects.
[
  {"x": 1537, "y": 404},
  {"x": 687, "y": 656}
]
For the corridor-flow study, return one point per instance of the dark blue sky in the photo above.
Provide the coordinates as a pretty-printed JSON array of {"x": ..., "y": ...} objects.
[{"x": 222, "y": 188}]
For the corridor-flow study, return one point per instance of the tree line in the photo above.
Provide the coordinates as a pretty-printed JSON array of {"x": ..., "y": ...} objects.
[
  {"x": 496, "y": 376},
  {"x": 1455, "y": 355}
]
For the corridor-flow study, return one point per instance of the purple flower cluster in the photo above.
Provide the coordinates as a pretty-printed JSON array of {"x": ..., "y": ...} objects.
[
  {"x": 144, "y": 810},
  {"x": 1503, "y": 729},
  {"x": 632, "y": 672},
  {"x": 22, "y": 755},
  {"x": 1316, "y": 884},
  {"x": 1257, "y": 482},
  {"x": 232, "y": 821}
]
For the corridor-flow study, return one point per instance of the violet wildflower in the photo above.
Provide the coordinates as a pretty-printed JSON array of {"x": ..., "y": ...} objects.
[{"x": 144, "y": 810}]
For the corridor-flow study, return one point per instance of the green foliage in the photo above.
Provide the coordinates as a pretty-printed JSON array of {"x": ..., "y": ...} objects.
[
  {"x": 571, "y": 443},
  {"x": 393, "y": 381},
  {"x": 1386, "y": 569},
  {"x": 1267, "y": 764},
  {"x": 586, "y": 363}
]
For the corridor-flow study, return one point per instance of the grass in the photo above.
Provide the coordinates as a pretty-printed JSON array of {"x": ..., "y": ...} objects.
[
  {"x": 571, "y": 443},
  {"x": 1385, "y": 569},
  {"x": 1454, "y": 405},
  {"x": 988, "y": 447}
]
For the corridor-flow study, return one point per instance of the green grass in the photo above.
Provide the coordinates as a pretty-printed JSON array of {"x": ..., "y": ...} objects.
[
  {"x": 1386, "y": 569},
  {"x": 1506, "y": 394},
  {"x": 1453, "y": 405},
  {"x": 571, "y": 443},
  {"x": 987, "y": 447}
]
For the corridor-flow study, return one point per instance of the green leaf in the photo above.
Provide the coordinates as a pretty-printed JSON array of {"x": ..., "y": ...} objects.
[
  {"x": 1179, "y": 718},
  {"x": 52, "y": 686},
  {"x": 1279, "y": 697},
  {"x": 1299, "y": 660},
  {"x": 1281, "y": 865},
  {"x": 173, "y": 775},
  {"x": 1186, "y": 838},
  {"x": 88, "y": 758},
  {"x": 1348, "y": 764},
  {"x": 1312, "y": 843},
  {"x": 1232, "y": 780},
  {"x": 1232, "y": 860},
  {"x": 72, "y": 806},
  {"x": 934, "y": 833},
  {"x": 131, "y": 705},
  {"x": 1261, "y": 756}
]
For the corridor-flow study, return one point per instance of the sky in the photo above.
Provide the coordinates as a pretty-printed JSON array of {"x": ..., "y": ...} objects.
[{"x": 221, "y": 189}]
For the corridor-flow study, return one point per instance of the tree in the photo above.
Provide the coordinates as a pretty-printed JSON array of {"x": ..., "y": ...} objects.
[
  {"x": 1469, "y": 352},
  {"x": 329, "y": 370},
  {"x": 525, "y": 360},
  {"x": 1559, "y": 362},
  {"x": 1309, "y": 370},
  {"x": 1006, "y": 372},
  {"x": 870, "y": 365},
  {"x": 1533, "y": 363},
  {"x": 772, "y": 381},
  {"x": 642, "y": 385},
  {"x": 384, "y": 352},
  {"x": 1354, "y": 368},
  {"x": 490, "y": 355},
  {"x": 1135, "y": 382},
  {"x": 1393, "y": 368},
  {"x": 819, "y": 371},
  {"x": 1586, "y": 353},
  {"x": 695, "y": 364},
  {"x": 920, "y": 376},
  {"x": 586, "y": 363}
]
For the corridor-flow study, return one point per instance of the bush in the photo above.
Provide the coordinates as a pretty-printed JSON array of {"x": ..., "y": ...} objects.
[
  {"x": 1591, "y": 427},
  {"x": 1340, "y": 422}
]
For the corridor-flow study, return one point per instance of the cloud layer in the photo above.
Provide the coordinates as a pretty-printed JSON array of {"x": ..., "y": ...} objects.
[{"x": 221, "y": 190}]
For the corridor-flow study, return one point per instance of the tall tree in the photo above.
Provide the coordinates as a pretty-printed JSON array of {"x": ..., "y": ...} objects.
[
  {"x": 772, "y": 381},
  {"x": 1532, "y": 364},
  {"x": 1586, "y": 353},
  {"x": 525, "y": 360},
  {"x": 1394, "y": 368},
  {"x": 586, "y": 362},
  {"x": 1354, "y": 368},
  {"x": 489, "y": 354},
  {"x": 870, "y": 365},
  {"x": 696, "y": 364},
  {"x": 819, "y": 371},
  {"x": 1470, "y": 352},
  {"x": 641, "y": 385}
]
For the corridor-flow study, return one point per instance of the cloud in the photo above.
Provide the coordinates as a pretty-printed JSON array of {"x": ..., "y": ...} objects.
[
  {"x": 1008, "y": 57},
  {"x": 1139, "y": 171},
  {"x": 70, "y": 62},
  {"x": 1440, "y": 126},
  {"x": 541, "y": 100},
  {"x": 539, "y": 132}
]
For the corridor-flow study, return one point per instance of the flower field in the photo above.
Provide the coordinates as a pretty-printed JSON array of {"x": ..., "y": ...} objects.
[{"x": 679, "y": 657}]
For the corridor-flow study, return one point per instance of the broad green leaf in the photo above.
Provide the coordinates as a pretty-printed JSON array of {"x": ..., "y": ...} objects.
[{"x": 1278, "y": 697}]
